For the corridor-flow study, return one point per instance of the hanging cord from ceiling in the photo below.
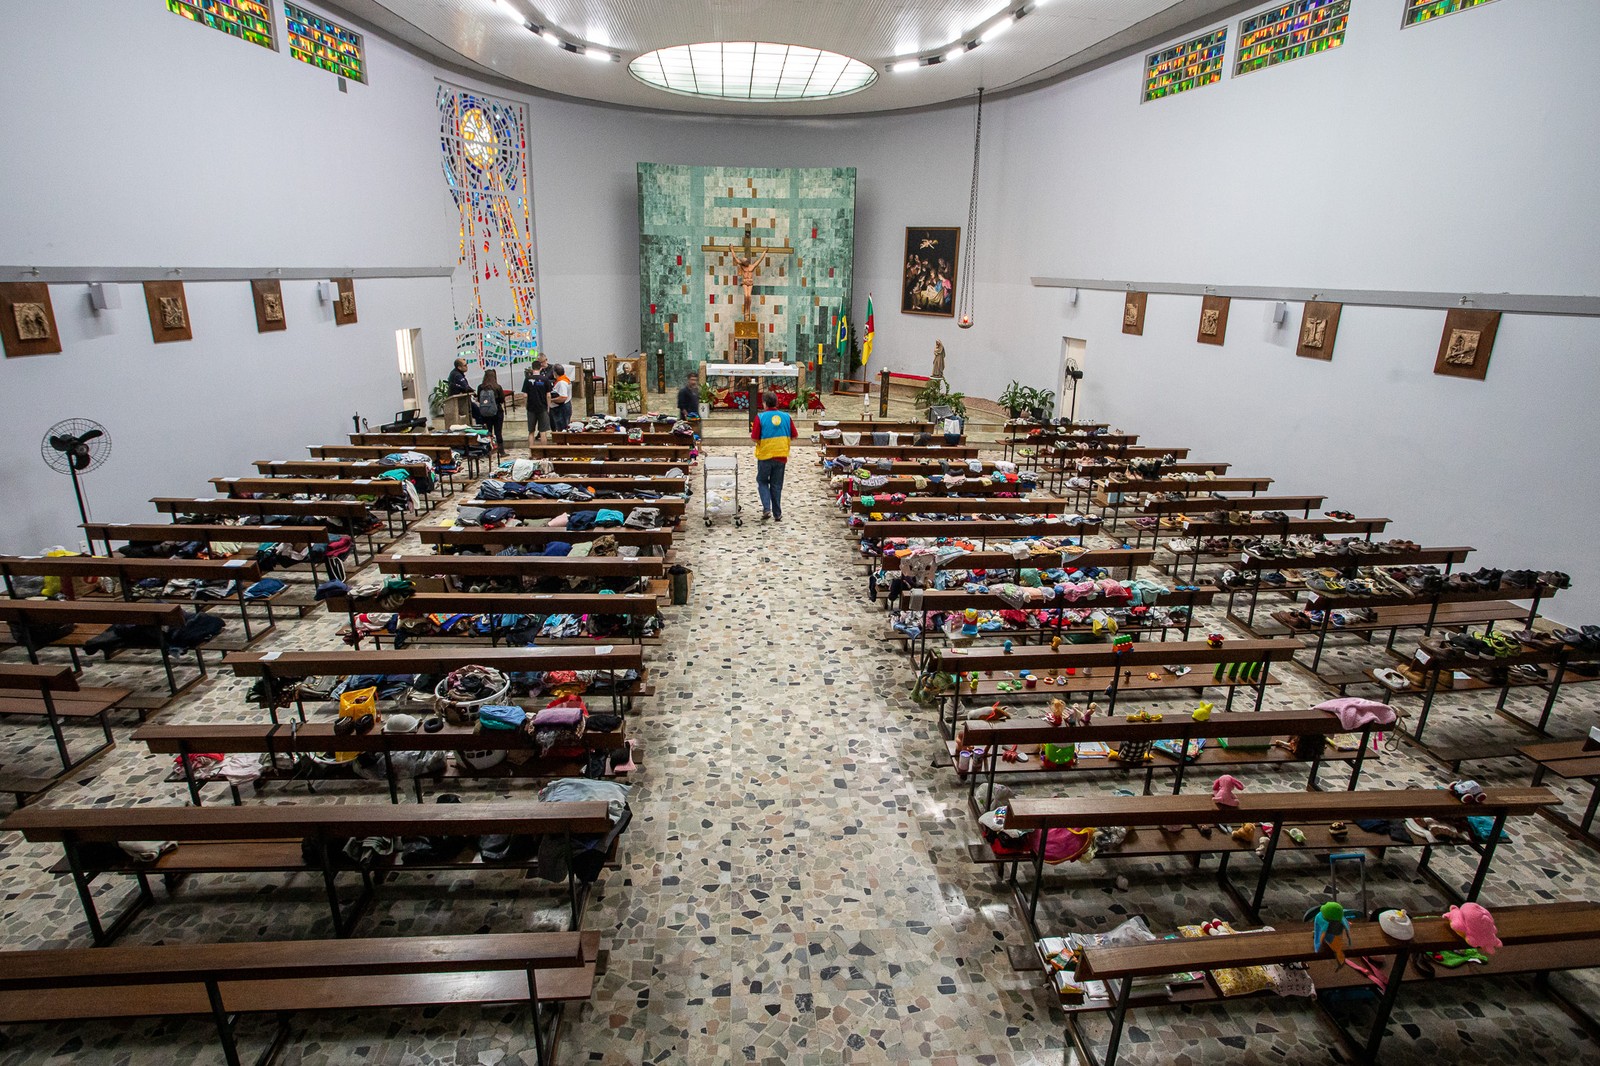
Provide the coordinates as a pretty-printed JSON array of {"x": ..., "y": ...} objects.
[{"x": 969, "y": 254}]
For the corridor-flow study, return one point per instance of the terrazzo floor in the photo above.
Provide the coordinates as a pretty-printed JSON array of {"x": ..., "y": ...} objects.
[{"x": 795, "y": 886}]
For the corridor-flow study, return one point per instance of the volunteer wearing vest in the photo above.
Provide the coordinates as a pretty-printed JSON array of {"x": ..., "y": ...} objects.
[
  {"x": 771, "y": 432},
  {"x": 560, "y": 399}
]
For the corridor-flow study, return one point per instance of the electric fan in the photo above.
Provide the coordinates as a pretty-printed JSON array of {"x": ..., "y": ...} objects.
[
  {"x": 76, "y": 446},
  {"x": 1074, "y": 375}
]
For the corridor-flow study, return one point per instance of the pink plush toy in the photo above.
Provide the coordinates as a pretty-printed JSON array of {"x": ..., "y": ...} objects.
[
  {"x": 1223, "y": 789},
  {"x": 1475, "y": 925}
]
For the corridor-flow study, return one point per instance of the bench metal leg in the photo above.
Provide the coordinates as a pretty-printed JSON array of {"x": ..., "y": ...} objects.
[
  {"x": 1391, "y": 992},
  {"x": 230, "y": 1048},
  {"x": 1119, "y": 1017},
  {"x": 540, "y": 1049}
]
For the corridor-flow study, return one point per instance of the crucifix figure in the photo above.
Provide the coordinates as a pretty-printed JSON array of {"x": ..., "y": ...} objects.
[{"x": 748, "y": 266}]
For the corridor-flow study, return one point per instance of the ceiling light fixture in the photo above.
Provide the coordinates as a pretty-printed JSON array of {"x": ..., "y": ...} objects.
[
  {"x": 998, "y": 28},
  {"x": 509, "y": 8},
  {"x": 754, "y": 71},
  {"x": 900, "y": 66},
  {"x": 955, "y": 53},
  {"x": 598, "y": 54}
]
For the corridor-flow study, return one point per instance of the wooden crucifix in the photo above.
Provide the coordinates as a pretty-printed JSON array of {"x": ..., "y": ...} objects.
[{"x": 748, "y": 264}]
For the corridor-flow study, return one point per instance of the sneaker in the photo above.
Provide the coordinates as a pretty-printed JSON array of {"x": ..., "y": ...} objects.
[
  {"x": 765, "y": 515},
  {"x": 777, "y": 517}
]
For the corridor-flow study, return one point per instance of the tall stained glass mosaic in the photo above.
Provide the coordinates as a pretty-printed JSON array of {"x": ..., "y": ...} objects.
[
  {"x": 1427, "y": 10},
  {"x": 1290, "y": 31},
  {"x": 1189, "y": 65},
  {"x": 324, "y": 43},
  {"x": 483, "y": 144},
  {"x": 248, "y": 20}
]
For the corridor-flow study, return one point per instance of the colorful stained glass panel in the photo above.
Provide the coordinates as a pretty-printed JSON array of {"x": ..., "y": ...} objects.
[
  {"x": 248, "y": 20},
  {"x": 324, "y": 43},
  {"x": 1290, "y": 31},
  {"x": 483, "y": 143},
  {"x": 1185, "y": 66},
  {"x": 1427, "y": 10}
]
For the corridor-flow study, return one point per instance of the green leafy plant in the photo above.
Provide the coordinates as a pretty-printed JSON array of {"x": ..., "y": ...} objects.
[
  {"x": 1019, "y": 399},
  {"x": 1012, "y": 399},
  {"x": 436, "y": 398},
  {"x": 706, "y": 393},
  {"x": 937, "y": 393},
  {"x": 1044, "y": 403},
  {"x": 625, "y": 393},
  {"x": 802, "y": 399}
]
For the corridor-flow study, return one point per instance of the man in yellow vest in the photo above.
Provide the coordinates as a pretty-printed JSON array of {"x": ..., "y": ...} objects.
[{"x": 772, "y": 432}]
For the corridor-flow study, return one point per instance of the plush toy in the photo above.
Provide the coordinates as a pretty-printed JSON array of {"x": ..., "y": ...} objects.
[
  {"x": 1223, "y": 789},
  {"x": 1006, "y": 647},
  {"x": 1330, "y": 921},
  {"x": 1055, "y": 643},
  {"x": 1468, "y": 791},
  {"x": 1202, "y": 712},
  {"x": 1474, "y": 924}
]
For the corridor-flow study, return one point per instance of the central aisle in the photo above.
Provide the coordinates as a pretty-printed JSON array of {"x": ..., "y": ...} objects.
[{"x": 781, "y": 894}]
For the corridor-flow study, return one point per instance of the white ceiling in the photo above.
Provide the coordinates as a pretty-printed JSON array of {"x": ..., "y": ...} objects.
[{"x": 483, "y": 37}]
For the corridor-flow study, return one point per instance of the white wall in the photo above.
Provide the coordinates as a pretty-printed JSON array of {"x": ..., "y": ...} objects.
[
  {"x": 156, "y": 142},
  {"x": 1454, "y": 156}
]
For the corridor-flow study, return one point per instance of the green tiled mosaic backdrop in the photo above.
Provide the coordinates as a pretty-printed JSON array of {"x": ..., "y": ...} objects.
[{"x": 797, "y": 298}]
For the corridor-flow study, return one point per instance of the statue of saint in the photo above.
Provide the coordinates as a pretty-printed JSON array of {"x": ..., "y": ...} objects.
[
  {"x": 938, "y": 359},
  {"x": 748, "y": 266}
]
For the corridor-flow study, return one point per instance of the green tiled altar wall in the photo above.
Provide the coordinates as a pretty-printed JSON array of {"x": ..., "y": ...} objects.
[{"x": 797, "y": 297}]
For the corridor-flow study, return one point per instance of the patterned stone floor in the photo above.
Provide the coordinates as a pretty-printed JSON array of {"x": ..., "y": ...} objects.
[{"x": 794, "y": 887}]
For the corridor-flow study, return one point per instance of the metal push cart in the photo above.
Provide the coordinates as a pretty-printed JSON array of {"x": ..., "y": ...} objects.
[{"x": 720, "y": 482}]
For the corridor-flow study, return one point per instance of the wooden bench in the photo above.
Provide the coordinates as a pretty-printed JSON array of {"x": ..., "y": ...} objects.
[
  {"x": 441, "y": 455},
  {"x": 498, "y": 604},
  {"x": 671, "y": 508},
  {"x": 210, "y": 534},
  {"x": 650, "y": 437},
  {"x": 951, "y": 452},
  {"x": 90, "y": 618},
  {"x": 579, "y": 469},
  {"x": 586, "y": 568},
  {"x": 1152, "y": 510},
  {"x": 1537, "y": 938},
  {"x": 1103, "y": 558},
  {"x": 1253, "y": 563},
  {"x": 1027, "y": 738},
  {"x": 470, "y": 446},
  {"x": 621, "y": 485},
  {"x": 277, "y": 839},
  {"x": 306, "y": 747},
  {"x": 128, "y": 572},
  {"x": 52, "y": 692},
  {"x": 946, "y": 601},
  {"x": 1109, "y": 670},
  {"x": 1570, "y": 760},
  {"x": 1311, "y": 812},
  {"x": 355, "y": 468},
  {"x": 354, "y": 977},
  {"x": 981, "y": 530},
  {"x": 1037, "y": 505},
  {"x": 620, "y": 450},
  {"x": 275, "y": 668},
  {"x": 346, "y": 516},
  {"x": 455, "y": 538},
  {"x": 1257, "y": 530}
]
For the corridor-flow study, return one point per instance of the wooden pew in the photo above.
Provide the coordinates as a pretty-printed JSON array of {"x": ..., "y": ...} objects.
[
  {"x": 648, "y": 572},
  {"x": 1198, "y": 531},
  {"x": 110, "y": 533},
  {"x": 275, "y": 668},
  {"x": 651, "y": 436},
  {"x": 276, "y": 839},
  {"x": 944, "y": 601},
  {"x": 450, "y": 538},
  {"x": 1111, "y": 669},
  {"x": 129, "y": 572},
  {"x": 1310, "y": 811},
  {"x": 355, "y": 977},
  {"x": 1104, "y": 558},
  {"x": 980, "y": 529},
  {"x": 496, "y": 603},
  {"x": 356, "y": 468},
  {"x": 671, "y": 508},
  {"x": 1040, "y": 505},
  {"x": 621, "y": 450},
  {"x": 1254, "y": 562},
  {"x": 621, "y": 484},
  {"x": 89, "y": 618},
  {"x": 1028, "y": 736},
  {"x": 1537, "y": 938},
  {"x": 953, "y": 452},
  {"x": 52, "y": 693},
  {"x": 441, "y": 455},
  {"x": 397, "y": 442},
  {"x": 384, "y": 490},
  {"x": 1570, "y": 760},
  {"x": 576, "y": 470}
]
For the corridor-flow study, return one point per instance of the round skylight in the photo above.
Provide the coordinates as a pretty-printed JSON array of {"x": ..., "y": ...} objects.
[{"x": 752, "y": 70}]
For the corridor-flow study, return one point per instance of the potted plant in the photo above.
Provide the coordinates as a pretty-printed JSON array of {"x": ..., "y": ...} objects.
[
  {"x": 802, "y": 399},
  {"x": 937, "y": 393},
  {"x": 626, "y": 396},
  {"x": 1012, "y": 399},
  {"x": 1043, "y": 404},
  {"x": 436, "y": 398}
]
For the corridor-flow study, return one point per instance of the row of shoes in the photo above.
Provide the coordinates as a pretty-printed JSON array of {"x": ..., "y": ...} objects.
[{"x": 1295, "y": 548}]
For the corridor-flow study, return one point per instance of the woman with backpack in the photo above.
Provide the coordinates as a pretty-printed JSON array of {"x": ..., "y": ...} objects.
[{"x": 487, "y": 407}]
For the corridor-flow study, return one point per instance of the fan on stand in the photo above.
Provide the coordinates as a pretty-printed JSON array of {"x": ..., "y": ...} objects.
[
  {"x": 1074, "y": 375},
  {"x": 76, "y": 446}
]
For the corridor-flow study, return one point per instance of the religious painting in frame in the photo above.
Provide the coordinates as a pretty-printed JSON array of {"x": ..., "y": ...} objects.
[
  {"x": 1213, "y": 320},
  {"x": 928, "y": 286},
  {"x": 268, "y": 298},
  {"x": 344, "y": 307},
  {"x": 1133, "y": 305},
  {"x": 1467, "y": 343},
  {"x": 169, "y": 311},
  {"x": 27, "y": 319},
  {"x": 1319, "y": 325}
]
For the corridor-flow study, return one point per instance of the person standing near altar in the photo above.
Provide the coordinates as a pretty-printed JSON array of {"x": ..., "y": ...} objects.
[{"x": 772, "y": 432}]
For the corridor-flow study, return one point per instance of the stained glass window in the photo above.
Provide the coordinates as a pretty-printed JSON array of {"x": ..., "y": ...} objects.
[
  {"x": 248, "y": 20},
  {"x": 483, "y": 142},
  {"x": 1425, "y": 10},
  {"x": 324, "y": 43},
  {"x": 1290, "y": 31},
  {"x": 1185, "y": 66}
]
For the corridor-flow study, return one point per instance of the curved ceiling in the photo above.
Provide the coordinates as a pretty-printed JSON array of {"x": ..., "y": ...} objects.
[{"x": 492, "y": 37}]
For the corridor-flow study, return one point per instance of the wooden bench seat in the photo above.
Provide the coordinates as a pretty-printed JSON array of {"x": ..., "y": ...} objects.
[
  {"x": 1040, "y": 505},
  {"x": 1254, "y": 563},
  {"x": 627, "y": 605},
  {"x": 88, "y": 617},
  {"x": 440, "y": 454},
  {"x": 1145, "y": 817},
  {"x": 1104, "y": 558},
  {"x": 285, "y": 977},
  {"x": 278, "y": 838},
  {"x": 1537, "y": 938},
  {"x": 52, "y": 693},
  {"x": 982, "y": 530},
  {"x": 906, "y": 451},
  {"x": 617, "y": 450},
  {"x": 450, "y": 537}
]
